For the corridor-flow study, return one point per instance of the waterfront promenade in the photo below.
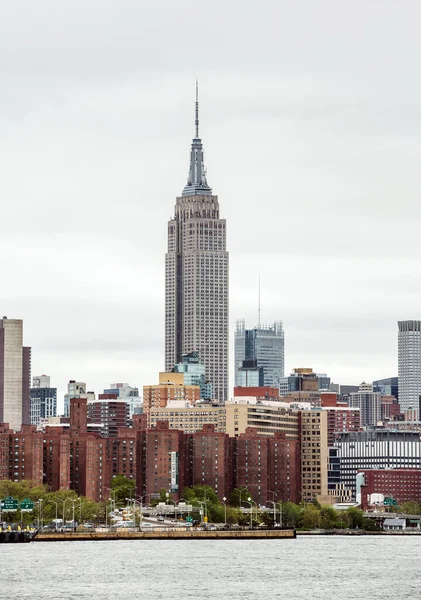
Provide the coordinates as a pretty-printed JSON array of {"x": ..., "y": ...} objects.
[{"x": 167, "y": 534}]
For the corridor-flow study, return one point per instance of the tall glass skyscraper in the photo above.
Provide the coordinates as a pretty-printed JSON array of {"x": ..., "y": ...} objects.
[
  {"x": 196, "y": 277},
  {"x": 265, "y": 346},
  {"x": 409, "y": 364}
]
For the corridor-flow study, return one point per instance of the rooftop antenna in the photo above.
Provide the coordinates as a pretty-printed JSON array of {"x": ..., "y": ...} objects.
[
  {"x": 258, "y": 305},
  {"x": 196, "y": 121}
]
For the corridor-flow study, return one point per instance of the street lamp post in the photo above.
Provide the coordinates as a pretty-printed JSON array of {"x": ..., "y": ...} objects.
[
  {"x": 280, "y": 513},
  {"x": 140, "y": 498},
  {"x": 274, "y": 504},
  {"x": 111, "y": 494},
  {"x": 80, "y": 510},
  {"x": 186, "y": 502},
  {"x": 56, "y": 503},
  {"x": 64, "y": 506},
  {"x": 225, "y": 509},
  {"x": 203, "y": 512},
  {"x": 175, "y": 506},
  {"x": 39, "y": 512},
  {"x": 73, "y": 515},
  {"x": 251, "y": 512},
  {"x": 274, "y": 510},
  {"x": 106, "y": 511}
]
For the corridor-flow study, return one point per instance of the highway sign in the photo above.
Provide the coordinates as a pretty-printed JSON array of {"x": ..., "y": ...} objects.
[
  {"x": 9, "y": 504},
  {"x": 389, "y": 502},
  {"x": 26, "y": 504},
  {"x": 189, "y": 519}
]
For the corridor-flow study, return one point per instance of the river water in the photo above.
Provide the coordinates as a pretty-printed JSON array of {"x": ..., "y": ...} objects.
[{"x": 310, "y": 568}]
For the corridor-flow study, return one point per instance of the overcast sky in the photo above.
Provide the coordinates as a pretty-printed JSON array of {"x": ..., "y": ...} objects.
[{"x": 310, "y": 119}]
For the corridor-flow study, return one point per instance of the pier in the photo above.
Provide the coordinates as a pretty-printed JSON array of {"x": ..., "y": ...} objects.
[{"x": 168, "y": 534}]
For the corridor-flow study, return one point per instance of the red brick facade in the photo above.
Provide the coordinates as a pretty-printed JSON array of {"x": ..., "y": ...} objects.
[
  {"x": 403, "y": 485},
  {"x": 284, "y": 463},
  {"x": 158, "y": 459}
]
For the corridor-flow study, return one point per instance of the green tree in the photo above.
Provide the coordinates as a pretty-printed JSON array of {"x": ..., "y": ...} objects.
[
  {"x": 238, "y": 494},
  {"x": 329, "y": 518},
  {"x": 344, "y": 519},
  {"x": 369, "y": 525},
  {"x": 356, "y": 518},
  {"x": 188, "y": 494},
  {"x": 122, "y": 488},
  {"x": 410, "y": 508},
  {"x": 291, "y": 514},
  {"x": 267, "y": 519},
  {"x": 205, "y": 493},
  {"x": 310, "y": 517}
]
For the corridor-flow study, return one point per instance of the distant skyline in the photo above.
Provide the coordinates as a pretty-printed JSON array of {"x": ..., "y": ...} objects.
[{"x": 310, "y": 115}]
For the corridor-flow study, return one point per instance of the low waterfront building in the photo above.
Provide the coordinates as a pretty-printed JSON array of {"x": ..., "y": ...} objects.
[
  {"x": 400, "y": 485},
  {"x": 375, "y": 449}
]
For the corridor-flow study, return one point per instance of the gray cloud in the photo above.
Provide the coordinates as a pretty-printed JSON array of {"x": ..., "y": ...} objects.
[{"x": 310, "y": 120}]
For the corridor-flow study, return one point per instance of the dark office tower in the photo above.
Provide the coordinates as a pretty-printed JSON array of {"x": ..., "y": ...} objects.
[
  {"x": 196, "y": 277},
  {"x": 43, "y": 399},
  {"x": 259, "y": 355}
]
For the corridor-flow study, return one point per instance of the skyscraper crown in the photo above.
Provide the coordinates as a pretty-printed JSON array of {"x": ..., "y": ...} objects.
[{"x": 196, "y": 180}]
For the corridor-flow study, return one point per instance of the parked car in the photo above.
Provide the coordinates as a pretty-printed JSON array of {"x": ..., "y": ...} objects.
[
  {"x": 124, "y": 525},
  {"x": 161, "y": 519}
]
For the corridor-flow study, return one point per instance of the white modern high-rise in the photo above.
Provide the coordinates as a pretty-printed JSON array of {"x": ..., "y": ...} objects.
[
  {"x": 409, "y": 364},
  {"x": 75, "y": 389},
  {"x": 196, "y": 277},
  {"x": 369, "y": 403},
  {"x": 264, "y": 346},
  {"x": 15, "y": 370}
]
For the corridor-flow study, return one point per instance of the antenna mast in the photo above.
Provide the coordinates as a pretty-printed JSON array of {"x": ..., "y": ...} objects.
[
  {"x": 196, "y": 121},
  {"x": 258, "y": 305}
]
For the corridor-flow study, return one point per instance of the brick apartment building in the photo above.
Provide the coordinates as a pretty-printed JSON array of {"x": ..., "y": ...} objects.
[
  {"x": 210, "y": 460},
  {"x": 160, "y": 457},
  {"x": 403, "y": 485},
  {"x": 284, "y": 468},
  {"x": 251, "y": 464},
  {"x": 340, "y": 416},
  {"x": 62, "y": 459},
  {"x": 284, "y": 465},
  {"x": 109, "y": 413}
]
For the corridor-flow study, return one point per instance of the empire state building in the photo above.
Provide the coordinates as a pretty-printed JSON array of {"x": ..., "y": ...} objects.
[{"x": 196, "y": 276}]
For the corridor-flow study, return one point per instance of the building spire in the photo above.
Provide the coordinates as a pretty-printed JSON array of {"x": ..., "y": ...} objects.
[
  {"x": 196, "y": 180},
  {"x": 196, "y": 121},
  {"x": 258, "y": 306}
]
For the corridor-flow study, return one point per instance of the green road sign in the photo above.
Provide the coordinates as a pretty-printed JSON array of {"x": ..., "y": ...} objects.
[
  {"x": 26, "y": 504},
  {"x": 9, "y": 504},
  {"x": 389, "y": 502},
  {"x": 189, "y": 519}
]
